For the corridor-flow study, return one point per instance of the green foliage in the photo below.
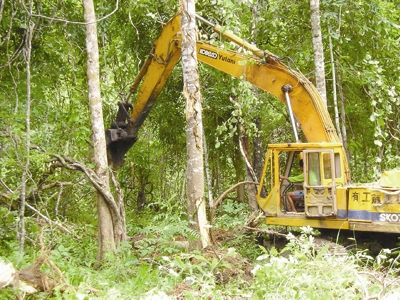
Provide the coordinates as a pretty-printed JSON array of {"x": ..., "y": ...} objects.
[
  {"x": 369, "y": 80},
  {"x": 231, "y": 214},
  {"x": 300, "y": 271},
  {"x": 366, "y": 52}
]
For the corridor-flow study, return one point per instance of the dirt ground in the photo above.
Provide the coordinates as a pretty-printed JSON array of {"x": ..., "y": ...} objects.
[{"x": 232, "y": 267}]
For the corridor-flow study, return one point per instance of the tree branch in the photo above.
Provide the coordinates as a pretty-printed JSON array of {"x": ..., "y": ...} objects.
[
  {"x": 48, "y": 220},
  {"x": 72, "y": 22},
  {"x": 226, "y": 192},
  {"x": 71, "y": 164}
]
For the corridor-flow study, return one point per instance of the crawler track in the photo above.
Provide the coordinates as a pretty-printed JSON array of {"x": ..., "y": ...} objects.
[{"x": 374, "y": 242}]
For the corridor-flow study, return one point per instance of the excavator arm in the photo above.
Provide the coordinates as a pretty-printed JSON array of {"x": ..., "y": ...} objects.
[{"x": 261, "y": 68}]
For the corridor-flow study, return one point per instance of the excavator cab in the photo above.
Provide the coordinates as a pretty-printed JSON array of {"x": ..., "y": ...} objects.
[
  {"x": 323, "y": 178},
  {"x": 292, "y": 161}
]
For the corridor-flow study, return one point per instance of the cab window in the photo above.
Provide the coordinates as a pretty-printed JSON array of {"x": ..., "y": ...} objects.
[{"x": 314, "y": 174}]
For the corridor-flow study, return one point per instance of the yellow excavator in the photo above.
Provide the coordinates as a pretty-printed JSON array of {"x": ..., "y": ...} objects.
[{"x": 329, "y": 200}]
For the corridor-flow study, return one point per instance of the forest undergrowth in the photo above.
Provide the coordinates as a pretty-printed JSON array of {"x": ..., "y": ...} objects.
[{"x": 275, "y": 263}]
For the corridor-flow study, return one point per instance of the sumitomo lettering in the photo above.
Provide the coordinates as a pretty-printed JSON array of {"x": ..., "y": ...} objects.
[
  {"x": 208, "y": 53},
  {"x": 389, "y": 217}
]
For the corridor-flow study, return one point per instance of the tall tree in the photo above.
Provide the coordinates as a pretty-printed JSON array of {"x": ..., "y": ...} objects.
[
  {"x": 318, "y": 48},
  {"x": 27, "y": 56},
  {"x": 194, "y": 126},
  {"x": 111, "y": 224}
]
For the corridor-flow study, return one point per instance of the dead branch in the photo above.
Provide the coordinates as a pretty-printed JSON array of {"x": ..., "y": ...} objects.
[
  {"x": 219, "y": 201},
  {"x": 4, "y": 195},
  {"x": 48, "y": 220},
  {"x": 5, "y": 186},
  {"x": 267, "y": 231},
  {"x": 253, "y": 220},
  {"x": 54, "y": 184},
  {"x": 37, "y": 279},
  {"x": 224, "y": 195}
]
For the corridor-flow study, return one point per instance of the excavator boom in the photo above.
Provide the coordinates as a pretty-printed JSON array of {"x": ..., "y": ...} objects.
[{"x": 261, "y": 68}]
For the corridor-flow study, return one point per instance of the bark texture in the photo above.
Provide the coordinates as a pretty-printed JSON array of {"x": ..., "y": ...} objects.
[
  {"x": 194, "y": 126},
  {"x": 318, "y": 49},
  {"x": 27, "y": 56},
  {"x": 111, "y": 216}
]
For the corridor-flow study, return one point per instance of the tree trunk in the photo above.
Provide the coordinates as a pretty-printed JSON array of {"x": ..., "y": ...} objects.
[
  {"x": 208, "y": 173},
  {"x": 239, "y": 165},
  {"x": 318, "y": 49},
  {"x": 250, "y": 175},
  {"x": 27, "y": 56},
  {"x": 1, "y": 8},
  {"x": 194, "y": 126},
  {"x": 342, "y": 111},
  {"x": 111, "y": 215},
  {"x": 258, "y": 153},
  {"x": 335, "y": 103}
]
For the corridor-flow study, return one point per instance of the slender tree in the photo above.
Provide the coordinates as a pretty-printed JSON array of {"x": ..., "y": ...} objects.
[
  {"x": 27, "y": 56},
  {"x": 111, "y": 224},
  {"x": 318, "y": 49},
  {"x": 334, "y": 92},
  {"x": 194, "y": 126}
]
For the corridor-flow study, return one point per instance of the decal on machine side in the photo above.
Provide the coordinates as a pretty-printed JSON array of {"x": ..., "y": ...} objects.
[
  {"x": 208, "y": 53},
  {"x": 389, "y": 217},
  {"x": 215, "y": 55}
]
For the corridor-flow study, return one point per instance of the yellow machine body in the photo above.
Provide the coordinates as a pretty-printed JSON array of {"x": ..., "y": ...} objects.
[
  {"x": 334, "y": 202},
  {"x": 331, "y": 202}
]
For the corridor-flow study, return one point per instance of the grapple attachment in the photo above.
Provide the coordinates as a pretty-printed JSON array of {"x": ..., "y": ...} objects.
[{"x": 121, "y": 136}]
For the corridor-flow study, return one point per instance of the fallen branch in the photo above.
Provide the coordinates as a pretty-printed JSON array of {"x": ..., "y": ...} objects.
[
  {"x": 224, "y": 194},
  {"x": 266, "y": 231},
  {"x": 252, "y": 221},
  {"x": 48, "y": 220},
  {"x": 32, "y": 279},
  {"x": 219, "y": 200}
]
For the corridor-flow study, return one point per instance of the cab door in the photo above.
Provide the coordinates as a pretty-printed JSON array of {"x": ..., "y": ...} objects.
[{"x": 319, "y": 184}]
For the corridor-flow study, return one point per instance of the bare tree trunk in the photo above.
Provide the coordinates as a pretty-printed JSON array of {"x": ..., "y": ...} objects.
[
  {"x": 239, "y": 164},
  {"x": 208, "y": 173},
  {"x": 335, "y": 104},
  {"x": 342, "y": 112},
  {"x": 1, "y": 8},
  {"x": 194, "y": 126},
  {"x": 27, "y": 56},
  {"x": 250, "y": 175},
  {"x": 111, "y": 214},
  {"x": 258, "y": 153},
  {"x": 318, "y": 49}
]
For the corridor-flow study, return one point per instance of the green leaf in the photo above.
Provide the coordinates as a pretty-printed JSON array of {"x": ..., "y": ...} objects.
[{"x": 381, "y": 121}]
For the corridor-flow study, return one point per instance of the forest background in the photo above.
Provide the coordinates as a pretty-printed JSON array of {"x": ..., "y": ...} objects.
[{"x": 362, "y": 44}]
